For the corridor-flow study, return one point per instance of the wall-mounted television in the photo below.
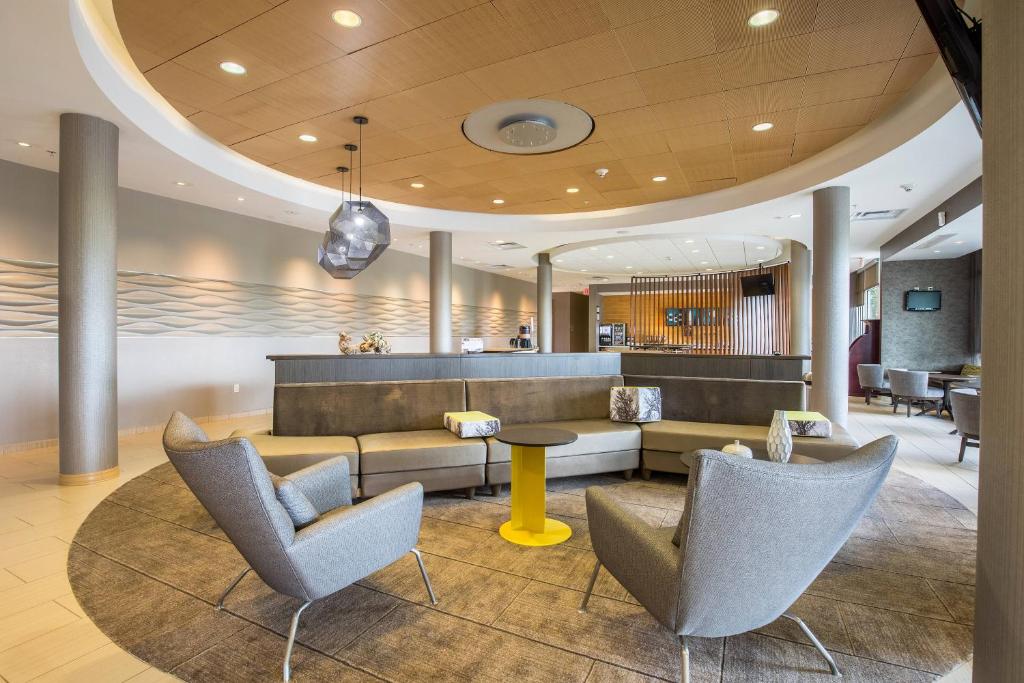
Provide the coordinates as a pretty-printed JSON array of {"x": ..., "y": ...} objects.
[
  {"x": 923, "y": 300},
  {"x": 762, "y": 284}
]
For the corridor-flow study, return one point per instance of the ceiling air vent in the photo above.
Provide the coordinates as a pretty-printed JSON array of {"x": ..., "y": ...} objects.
[
  {"x": 881, "y": 215},
  {"x": 505, "y": 246},
  {"x": 599, "y": 278},
  {"x": 499, "y": 266},
  {"x": 933, "y": 242}
]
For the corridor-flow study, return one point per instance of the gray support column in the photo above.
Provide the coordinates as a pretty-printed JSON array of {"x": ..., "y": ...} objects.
[
  {"x": 440, "y": 292},
  {"x": 544, "y": 318},
  {"x": 999, "y": 611},
  {"x": 799, "y": 299},
  {"x": 87, "y": 299},
  {"x": 830, "y": 303}
]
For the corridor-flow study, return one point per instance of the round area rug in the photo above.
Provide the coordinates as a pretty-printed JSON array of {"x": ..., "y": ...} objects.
[{"x": 148, "y": 565}]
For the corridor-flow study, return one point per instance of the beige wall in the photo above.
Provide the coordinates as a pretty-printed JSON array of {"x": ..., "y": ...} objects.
[{"x": 196, "y": 372}]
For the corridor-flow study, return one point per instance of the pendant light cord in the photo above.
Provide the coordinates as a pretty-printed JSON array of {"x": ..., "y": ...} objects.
[{"x": 360, "y": 167}]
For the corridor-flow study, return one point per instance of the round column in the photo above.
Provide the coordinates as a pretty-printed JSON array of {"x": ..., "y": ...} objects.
[
  {"x": 999, "y": 611},
  {"x": 830, "y": 303},
  {"x": 440, "y": 292},
  {"x": 544, "y": 316},
  {"x": 799, "y": 299},
  {"x": 87, "y": 299}
]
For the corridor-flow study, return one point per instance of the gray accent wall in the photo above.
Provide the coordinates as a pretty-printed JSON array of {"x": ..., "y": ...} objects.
[
  {"x": 203, "y": 297},
  {"x": 927, "y": 340}
]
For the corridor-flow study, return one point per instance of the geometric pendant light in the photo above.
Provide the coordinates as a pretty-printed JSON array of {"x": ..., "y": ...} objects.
[{"x": 359, "y": 232}]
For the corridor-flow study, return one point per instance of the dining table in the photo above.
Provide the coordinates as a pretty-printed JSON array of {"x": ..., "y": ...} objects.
[{"x": 946, "y": 380}]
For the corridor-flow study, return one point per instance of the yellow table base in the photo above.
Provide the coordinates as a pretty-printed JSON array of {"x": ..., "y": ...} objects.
[{"x": 528, "y": 525}]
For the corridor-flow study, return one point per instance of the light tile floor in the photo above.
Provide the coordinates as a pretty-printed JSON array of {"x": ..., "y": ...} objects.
[{"x": 44, "y": 635}]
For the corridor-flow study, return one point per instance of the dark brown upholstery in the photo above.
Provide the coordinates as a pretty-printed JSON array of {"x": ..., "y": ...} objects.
[
  {"x": 729, "y": 401},
  {"x": 358, "y": 408},
  {"x": 527, "y": 400}
]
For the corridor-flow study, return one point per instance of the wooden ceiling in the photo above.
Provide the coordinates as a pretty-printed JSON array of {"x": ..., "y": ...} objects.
[{"x": 674, "y": 87}]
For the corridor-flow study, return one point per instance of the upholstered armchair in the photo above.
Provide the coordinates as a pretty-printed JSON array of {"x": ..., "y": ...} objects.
[
  {"x": 753, "y": 536},
  {"x": 872, "y": 380},
  {"x": 300, "y": 534},
  {"x": 966, "y": 404},
  {"x": 910, "y": 387}
]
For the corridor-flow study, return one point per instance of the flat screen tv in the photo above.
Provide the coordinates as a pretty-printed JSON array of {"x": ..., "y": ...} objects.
[
  {"x": 673, "y": 317},
  {"x": 762, "y": 284},
  {"x": 958, "y": 36},
  {"x": 923, "y": 300}
]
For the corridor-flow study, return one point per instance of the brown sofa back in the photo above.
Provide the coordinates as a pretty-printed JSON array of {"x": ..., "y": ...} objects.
[
  {"x": 729, "y": 401},
  {"x": 527, "y": 400},
  {"x": 357, "y": 408}
]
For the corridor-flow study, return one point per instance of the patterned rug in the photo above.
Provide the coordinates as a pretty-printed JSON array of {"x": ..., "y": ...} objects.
[{"x": 148, "y": 564}]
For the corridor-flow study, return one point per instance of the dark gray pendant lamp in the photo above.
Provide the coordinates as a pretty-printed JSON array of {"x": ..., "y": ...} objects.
[{"x": 359, "y": 232}]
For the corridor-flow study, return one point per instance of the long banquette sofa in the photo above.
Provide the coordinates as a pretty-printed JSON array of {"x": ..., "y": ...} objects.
[{"x": 391, "y": 432}]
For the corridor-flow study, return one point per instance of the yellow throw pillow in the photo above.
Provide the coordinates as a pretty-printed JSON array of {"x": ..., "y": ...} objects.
[{"x": 969, "y": 370}]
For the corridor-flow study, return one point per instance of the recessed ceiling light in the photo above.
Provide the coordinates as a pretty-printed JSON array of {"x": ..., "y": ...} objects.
[
  {"x": 306, "y": 137},
  {"x": 709, "y": 269},
  {"x": 497, "y": 201},
  {"x": 233, "y": 68},
  {"x": 346, "y": 18},
  {"x": 583, "y": 270},
  {"x": 760, "y": 260},
  {"x": 181, "y": 183},
  {"x": 498, "y": 242},
  {"x": 763, "y": 18},
  {"x": 762, "y": 127},
  {"x": 794, "y": 215},
  {"x": 572, "y": 190},
  {"x": 695, "y": 251},
  {"x": 558, "y": 260},
  {"x": 629, "y": 267},
  {"x": 416, "y": 186},
  {"x": 958, "y": 242},
  {"x": 24, "y": 144},
  {"x": 688, "y": 241},
  {"x": 938, "y": 251},
  {"x": 659, "y": 178},
  {"x": 609, "y": 256},
  {"x": 703, "y": 263},
  {"x": 241, "y": 199},
  {"x": 760, "y": 247}
]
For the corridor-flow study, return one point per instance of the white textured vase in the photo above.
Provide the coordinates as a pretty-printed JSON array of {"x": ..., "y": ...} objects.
[{"x": 780, "y": 438}]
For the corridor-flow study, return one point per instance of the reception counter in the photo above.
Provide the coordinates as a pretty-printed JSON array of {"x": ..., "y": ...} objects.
[{"x": 405, "y": 366}]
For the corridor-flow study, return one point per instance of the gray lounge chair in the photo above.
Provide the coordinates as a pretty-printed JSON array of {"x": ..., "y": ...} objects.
[
  {"x": 966, "y": 404},
  {"x": 753, "y": 537},
  {"x": 338, "y": 543},
  {"x": 872, "y": 380},
  {"x": 910, "y": 387}
]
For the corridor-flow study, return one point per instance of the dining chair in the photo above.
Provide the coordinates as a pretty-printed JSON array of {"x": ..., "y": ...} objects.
[
  {"x": 872, "y": 380},
  {"x": 301, "y": 533},
  {"x": 966, "y": 405},
  {"x": 753, "y": 536},
  {"x": 910, "y": 387}
]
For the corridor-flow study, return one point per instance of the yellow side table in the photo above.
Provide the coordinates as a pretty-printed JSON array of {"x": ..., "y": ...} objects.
[{"x": 528, "y": 525}]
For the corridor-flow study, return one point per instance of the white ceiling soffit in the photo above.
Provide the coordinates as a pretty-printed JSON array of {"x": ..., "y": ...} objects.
[
  {"x": 953, "y": 240},
  {"x": 107, "y": 60}
]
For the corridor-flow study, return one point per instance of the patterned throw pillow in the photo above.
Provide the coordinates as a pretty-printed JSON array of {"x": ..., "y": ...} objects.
[
  {"x": 471, "y": 423},
  {"x": 969, "y": 370},
  {"x": 635, "y": 404},
  {"x": 294, "y": 501}
]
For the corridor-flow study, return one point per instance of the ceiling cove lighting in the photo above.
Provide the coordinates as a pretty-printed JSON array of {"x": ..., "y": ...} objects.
[
  {"x": 358, "y": 231},
  {"x": 763, "y": 18},
  {"x": 306, "y": 137},
  {"x": 346, "y": 18},
  {"x": 762, "y": 127},
  {"x": 233, "y": 68}
]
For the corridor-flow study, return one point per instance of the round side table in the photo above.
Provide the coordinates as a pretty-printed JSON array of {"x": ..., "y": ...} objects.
[{"x": 528, "y": 525}]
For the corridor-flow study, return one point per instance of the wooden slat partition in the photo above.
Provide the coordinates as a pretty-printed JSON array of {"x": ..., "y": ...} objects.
[{"x": 716, "y": 317}]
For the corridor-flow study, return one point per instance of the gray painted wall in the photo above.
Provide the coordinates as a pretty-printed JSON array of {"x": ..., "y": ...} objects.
[
  {"x": 926, "y": 340},
  {"x": 196, "y": 373}
]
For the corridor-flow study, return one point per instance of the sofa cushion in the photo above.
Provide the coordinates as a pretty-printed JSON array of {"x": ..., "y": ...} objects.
[
  {"x": 595, "y": 436},
  {"x": 528, "y": 400},
  {"x": 286, "y": 454},
  {"x": 721, "y": 400},
  {"x": 354, "y": 408},
  {"x": 418, "y": 450},
  {"x": 676, "y": 436}
]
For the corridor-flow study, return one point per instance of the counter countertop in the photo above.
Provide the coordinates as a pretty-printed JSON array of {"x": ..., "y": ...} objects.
[
  {"x": 690, "y": 354},
  {"x": 361, "y": 356}
]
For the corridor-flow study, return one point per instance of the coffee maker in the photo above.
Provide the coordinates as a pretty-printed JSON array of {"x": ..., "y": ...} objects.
[{"x": 523, "y": 340}]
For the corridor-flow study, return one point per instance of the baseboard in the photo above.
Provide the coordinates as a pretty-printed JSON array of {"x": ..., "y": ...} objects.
[{"x": 129, "y": 431}]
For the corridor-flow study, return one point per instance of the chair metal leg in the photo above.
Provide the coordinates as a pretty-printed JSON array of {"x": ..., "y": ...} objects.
[
  {"x": 231, "y": 587},
  {"x": 684, "y": 660},
  {"x": 291, "y": 641},
  {"x": 423, "y": 573},
  {"x": 590, "y": 586},
  {"x": 817, "y": 643},
  {"x": 963, "y": 447}
]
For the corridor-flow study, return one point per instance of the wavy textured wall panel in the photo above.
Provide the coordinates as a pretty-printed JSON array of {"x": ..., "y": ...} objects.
[{"x": 150, "y": 304}]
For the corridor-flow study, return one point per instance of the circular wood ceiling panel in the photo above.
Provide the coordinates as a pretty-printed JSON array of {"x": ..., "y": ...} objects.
[{"x": 674, "y": 86}]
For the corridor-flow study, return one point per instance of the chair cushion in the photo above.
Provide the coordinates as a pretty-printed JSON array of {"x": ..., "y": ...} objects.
[
  {"x": 418, "y": 450},
  {"x": 294, "y": 501},
  {"x": 674, "y": 436},
  {"x": 595, "y": 436}
]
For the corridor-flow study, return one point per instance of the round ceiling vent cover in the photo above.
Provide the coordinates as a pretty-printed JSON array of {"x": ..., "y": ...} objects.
[{"x": 528, "y": 126}]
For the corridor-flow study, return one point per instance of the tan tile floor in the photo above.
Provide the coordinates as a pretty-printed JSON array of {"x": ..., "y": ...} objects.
[{"x": 44, "y": 636}]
